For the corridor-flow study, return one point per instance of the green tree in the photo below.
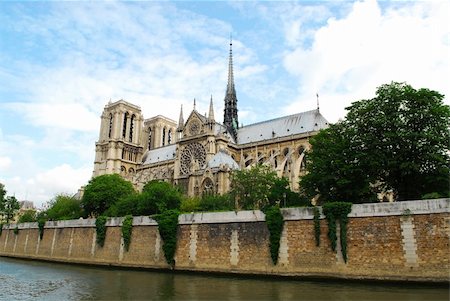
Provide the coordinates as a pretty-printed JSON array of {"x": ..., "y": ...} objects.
[
  {"x": 398, "y": 140},
  {"x": 157, "y": 197},
  {"x": 28, "y": 216},
  {"x": 251, "y": 188},
  {"x": 64, "y": 207},
  {"x": 8, "y": 208},
  {"x": 334, "y": 168},
  {"x": 103, "y": 191}
]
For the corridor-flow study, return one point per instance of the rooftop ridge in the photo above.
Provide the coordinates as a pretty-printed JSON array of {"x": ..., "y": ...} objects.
[{"x": 278, "y": 118}]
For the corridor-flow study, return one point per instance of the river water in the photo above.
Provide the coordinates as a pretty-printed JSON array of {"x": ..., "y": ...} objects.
[{"x": 33, "y": 280}]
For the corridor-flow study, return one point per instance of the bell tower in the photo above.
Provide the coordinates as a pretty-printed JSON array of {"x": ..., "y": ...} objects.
[{"x": 119, "y": 148}]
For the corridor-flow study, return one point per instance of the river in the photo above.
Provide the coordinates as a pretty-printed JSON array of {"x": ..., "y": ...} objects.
[{"x": 34, "y": 280}]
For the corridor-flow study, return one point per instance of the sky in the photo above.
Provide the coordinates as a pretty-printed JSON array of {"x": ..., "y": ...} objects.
[{"x": 62, "y": 62}]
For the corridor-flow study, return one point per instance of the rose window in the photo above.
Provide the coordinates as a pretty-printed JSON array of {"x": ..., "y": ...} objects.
[{"x": 193, "y": 157}]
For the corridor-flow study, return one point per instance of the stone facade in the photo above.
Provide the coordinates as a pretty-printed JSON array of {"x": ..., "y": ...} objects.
[
  {"x": 198, "y": 154},
  {"x": 383, "y": 243}
]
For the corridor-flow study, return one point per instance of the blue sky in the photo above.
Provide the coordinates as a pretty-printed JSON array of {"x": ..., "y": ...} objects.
[{"x": 61, "y": 62}]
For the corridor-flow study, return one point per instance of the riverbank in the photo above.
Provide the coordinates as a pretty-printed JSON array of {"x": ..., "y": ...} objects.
[{"x": 405, "y": 241}]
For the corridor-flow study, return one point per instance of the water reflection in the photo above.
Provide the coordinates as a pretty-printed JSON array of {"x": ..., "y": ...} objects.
[{"x": 31, "y": 280}]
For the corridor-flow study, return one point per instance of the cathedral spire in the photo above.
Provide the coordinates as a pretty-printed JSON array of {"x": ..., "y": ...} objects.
[
  {"x": 211, "y": 110},
  {"x": 181, "y": 120},
  {"x": 230, "y": 119}
]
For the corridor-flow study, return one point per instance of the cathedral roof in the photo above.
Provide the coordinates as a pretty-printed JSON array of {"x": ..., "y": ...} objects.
[
  {"x": 160, "y": 154},
  {"x": 282, "y": 127},
  {"x": 222, "y": 159}
]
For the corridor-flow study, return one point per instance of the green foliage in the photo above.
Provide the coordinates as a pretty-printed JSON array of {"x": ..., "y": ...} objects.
[
  {"x": 157, "y": 197},
  {"x": 168, "y": 226},
  {"x": 274, "y": 220},
  {"x": 127, "y": 227},
  {"x": 41, "y": 225},
  {"x": 64, "y": 207},
  {"x": 16, "y": 230},
  {"x": 28, "y": 216},
  {"x": 104, "y": 191},
  {"x": 8, "y": 207},
  {"x": 190, "y": 204},
  {"x": 397, "y": 140},
  {"x": 1, "y": 228},
  {"x": 125, "y": 206},
  {"x": 251, "y": 188},
  {"x": 433, "y": 195},
  {"x": 317, "y": 225},
  {"x": 337, "y": 211},
  {"x": 100, "y": 228},
  {"x": 215, "y": 202}
]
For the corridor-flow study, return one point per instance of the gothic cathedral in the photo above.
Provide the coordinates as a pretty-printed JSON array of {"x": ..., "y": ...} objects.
[{"x": 199, "y": 154}]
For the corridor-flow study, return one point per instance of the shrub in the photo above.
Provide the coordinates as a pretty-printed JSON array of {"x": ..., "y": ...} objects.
[
  {"x": 216, "y": 202},
  {"x": 190, "y": 204}
]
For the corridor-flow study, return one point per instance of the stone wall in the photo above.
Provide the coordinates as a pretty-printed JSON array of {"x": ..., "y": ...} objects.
[{"x": 386, "y": 241}]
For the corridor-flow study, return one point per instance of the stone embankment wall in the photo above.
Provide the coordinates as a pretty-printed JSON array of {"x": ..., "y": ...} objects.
[{"x": 385, "y": 241}]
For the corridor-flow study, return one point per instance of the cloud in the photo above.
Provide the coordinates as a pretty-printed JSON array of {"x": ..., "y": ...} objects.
[
  {"x": 372, "y": 46},
  {"x": 43, "y": 186},
  {"x": 5, "y": 163}
]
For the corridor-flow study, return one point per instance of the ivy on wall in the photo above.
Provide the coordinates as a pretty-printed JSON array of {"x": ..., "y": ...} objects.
[
  {"x": 100, "y": 228},
  {"x": 127, "y": 227},
  {"x": 16, "y": 230},
  {"x": 1, "y": 228},
  {"x": 41, "y": 224},
  {"x": 317, "y": 225},
  {"x": 337, "y": 211},
  {"x": 168, "y": 226},
  {"x": 274, "y": 220}
]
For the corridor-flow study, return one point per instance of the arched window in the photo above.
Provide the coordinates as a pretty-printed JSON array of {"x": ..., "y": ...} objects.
[
  {"x": 149, "y": 138},
  {"x": 169, "y": 137},
  {"x": 124, "y": 129},
  {"x": 131, "y": 127},
  {"x": 163, "y": 137},
  {"x": 110, "y": 125}
]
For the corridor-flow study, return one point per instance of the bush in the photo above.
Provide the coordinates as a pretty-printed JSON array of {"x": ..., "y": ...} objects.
[
  {"x": 28, "y": 216},
  {"x": 157, "y": 197},
  {"x": 190, "y": 204},
  {"x": 127, "y": 205},
  {"x": 216, "y": 203},
  {"x": 64, "y": 207},
  {"x": 104, "y": 191}
]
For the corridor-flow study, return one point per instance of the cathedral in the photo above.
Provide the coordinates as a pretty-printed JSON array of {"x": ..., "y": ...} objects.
[{"x": 199, "y": 154}]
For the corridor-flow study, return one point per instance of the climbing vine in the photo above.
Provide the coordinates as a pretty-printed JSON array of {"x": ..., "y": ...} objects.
[
  {"x": 41, "y": 224},
  {"x": 16, "y": 230},
  {"x": 100, "y": 228},
  {"x": 337, "y": 211},
  {"x": 127, "y": 227},
  {"x": 1, "y": 228},
  {"x": 317, "y": 225},
  {"x": 168, "y": 225},
  {"x": 274, "y": 220}
]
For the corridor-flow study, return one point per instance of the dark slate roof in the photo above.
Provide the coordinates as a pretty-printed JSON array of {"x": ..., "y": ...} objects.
[{"x": 281, "y": 127}]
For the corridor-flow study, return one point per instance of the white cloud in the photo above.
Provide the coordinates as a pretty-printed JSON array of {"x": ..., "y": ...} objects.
[
  {"x": 43, "y": 186},
  {"x": 352, "y": 56},
  {"x": 5, "y": 163}
]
